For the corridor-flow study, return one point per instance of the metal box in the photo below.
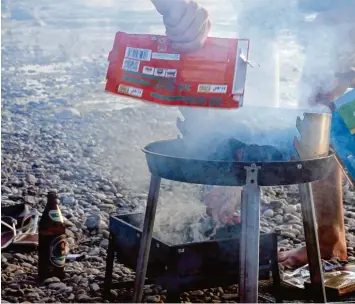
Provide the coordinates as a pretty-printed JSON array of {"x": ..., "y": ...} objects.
[{"x": 191, "y": 265}]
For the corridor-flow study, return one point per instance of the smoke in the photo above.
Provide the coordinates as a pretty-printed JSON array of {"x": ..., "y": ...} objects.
[
  {"x": 319, "y": 30},
  {"x": 299, "y": 46}
]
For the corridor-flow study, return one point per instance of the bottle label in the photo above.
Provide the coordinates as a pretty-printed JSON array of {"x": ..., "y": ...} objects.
[
  {"x": 58, "y": 250},
  {"x": 56, "y": 216}
]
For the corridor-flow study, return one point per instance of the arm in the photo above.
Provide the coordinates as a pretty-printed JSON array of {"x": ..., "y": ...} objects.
[{"x": 187, "y": 23}]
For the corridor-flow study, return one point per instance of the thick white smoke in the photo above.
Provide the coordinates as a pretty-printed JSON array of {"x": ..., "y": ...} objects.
[
  {"x": 275, "y": 28},
  {"x": 320, "y": 29}
]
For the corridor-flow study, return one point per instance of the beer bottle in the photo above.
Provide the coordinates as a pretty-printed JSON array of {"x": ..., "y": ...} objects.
[{"x": 53, "y": 246}]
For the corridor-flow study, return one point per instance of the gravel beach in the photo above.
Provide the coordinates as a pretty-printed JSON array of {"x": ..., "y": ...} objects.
[
  {"x": 94, "y": 161},
  {"x": 60, "y": 131}
]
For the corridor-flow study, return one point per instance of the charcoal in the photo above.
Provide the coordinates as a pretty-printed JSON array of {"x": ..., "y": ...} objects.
[{"x": 233, "y": 149}]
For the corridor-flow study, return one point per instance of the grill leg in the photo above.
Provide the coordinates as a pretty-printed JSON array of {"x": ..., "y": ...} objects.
[
  {"x": 311, "y": 236},
  {"x": 249, "y": 242},
  {"x": 109, "y": 266},
  {"x": 275, "y": 271},
  {"x": 146, "y": 240}
]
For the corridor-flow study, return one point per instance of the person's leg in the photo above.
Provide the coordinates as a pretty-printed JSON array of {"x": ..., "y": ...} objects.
[{"x": 328, "y": 202}]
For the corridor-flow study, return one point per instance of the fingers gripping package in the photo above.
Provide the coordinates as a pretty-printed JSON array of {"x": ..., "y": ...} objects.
[{"x": 145, "y": 67}]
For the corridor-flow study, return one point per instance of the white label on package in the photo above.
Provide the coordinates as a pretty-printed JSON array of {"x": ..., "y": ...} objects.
[
  {"x": 212, "y": 88},
  {"x": 165, "y": 56},
  {"x": 140, "y": 54},
  {"x": 148, "y": 70},
  {"x": 171, "y": 73},
  {"x": 130, "y": 65},
  {"x": 130, "y": 90},
  {"x": 159, "y": 72}
]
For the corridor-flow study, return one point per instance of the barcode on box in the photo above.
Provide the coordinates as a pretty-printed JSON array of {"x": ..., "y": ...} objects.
[
  {"x": 130, "y": 65},
  {"x": 130, "y": 90},
  {"x": 212, "y": 88},
  {"x": 140, "y": 54}
]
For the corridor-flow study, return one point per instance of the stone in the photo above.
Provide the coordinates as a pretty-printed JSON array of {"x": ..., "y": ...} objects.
[
  {"x": 277, "y": 203},
  {"x": 101, "y": 196},
  {"x": 107, "y": 207},
  {"x": 296, "y": 232},
  {"x": 266, "y": 230},
  {"x": 14, "y": 292},
  {"x": 94, "y": 287},
  {"x": 288, "y": 234},
  {"x": 290, "y": 217},
  {"x": 196, "y": 293},
  {"x": 26, "y": 265},
  {"x": 230, "y": 296},
  {"x": 148, "y": 291},
  {"x": 264, "y": 201},
  {"x": 268, "y": 213},
  {"x": 92, "y": 271},
  {"x": 114, "y": 294},
  {"x": 106, "y": 188},
  {"x": 104, "y": 243},
  {"x": 57, "y": 286},
  {"x": 279, "y": 219},
  {"x": 21, "y": 256},
  {"x": 68, "y": 200},
  {"x": 290, "y": 209},
  {"x": 33, "y": 295},
  {"x": 152, "y": 299},
  {"x": 12, "y": 268},
  {"x": 279, "y": 211},
  {"x": 31, "y": 179},
  {"x": 69, "y": 233},
  {"x": 105, "y": 234},
  {"x": 93, "y": 222},
  {"x": 298, "y": 207},
  {"x": 83, "y": 298},
  {"x": 350, "y": 240}
]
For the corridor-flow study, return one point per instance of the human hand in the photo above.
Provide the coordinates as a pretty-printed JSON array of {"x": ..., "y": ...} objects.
[{"x": 187, "y": 23}]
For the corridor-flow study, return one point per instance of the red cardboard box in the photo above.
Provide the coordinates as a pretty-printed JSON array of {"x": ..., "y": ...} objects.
[{"x": 145, "y": 67}]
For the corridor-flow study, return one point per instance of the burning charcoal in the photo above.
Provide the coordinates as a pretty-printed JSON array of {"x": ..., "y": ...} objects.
[
  {"x": 233, "y": 149},
  {"x": 227, "y": 150}
]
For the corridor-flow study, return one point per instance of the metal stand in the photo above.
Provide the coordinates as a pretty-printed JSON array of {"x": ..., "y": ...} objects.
[
  {"x": 249, "y": 241},
  {"x": 144, "y": 248},
  {"x": 312, "y": 245}
]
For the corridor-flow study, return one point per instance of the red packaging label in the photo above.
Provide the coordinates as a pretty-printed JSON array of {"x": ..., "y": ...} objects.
[{"x": 145, "y": 67}]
